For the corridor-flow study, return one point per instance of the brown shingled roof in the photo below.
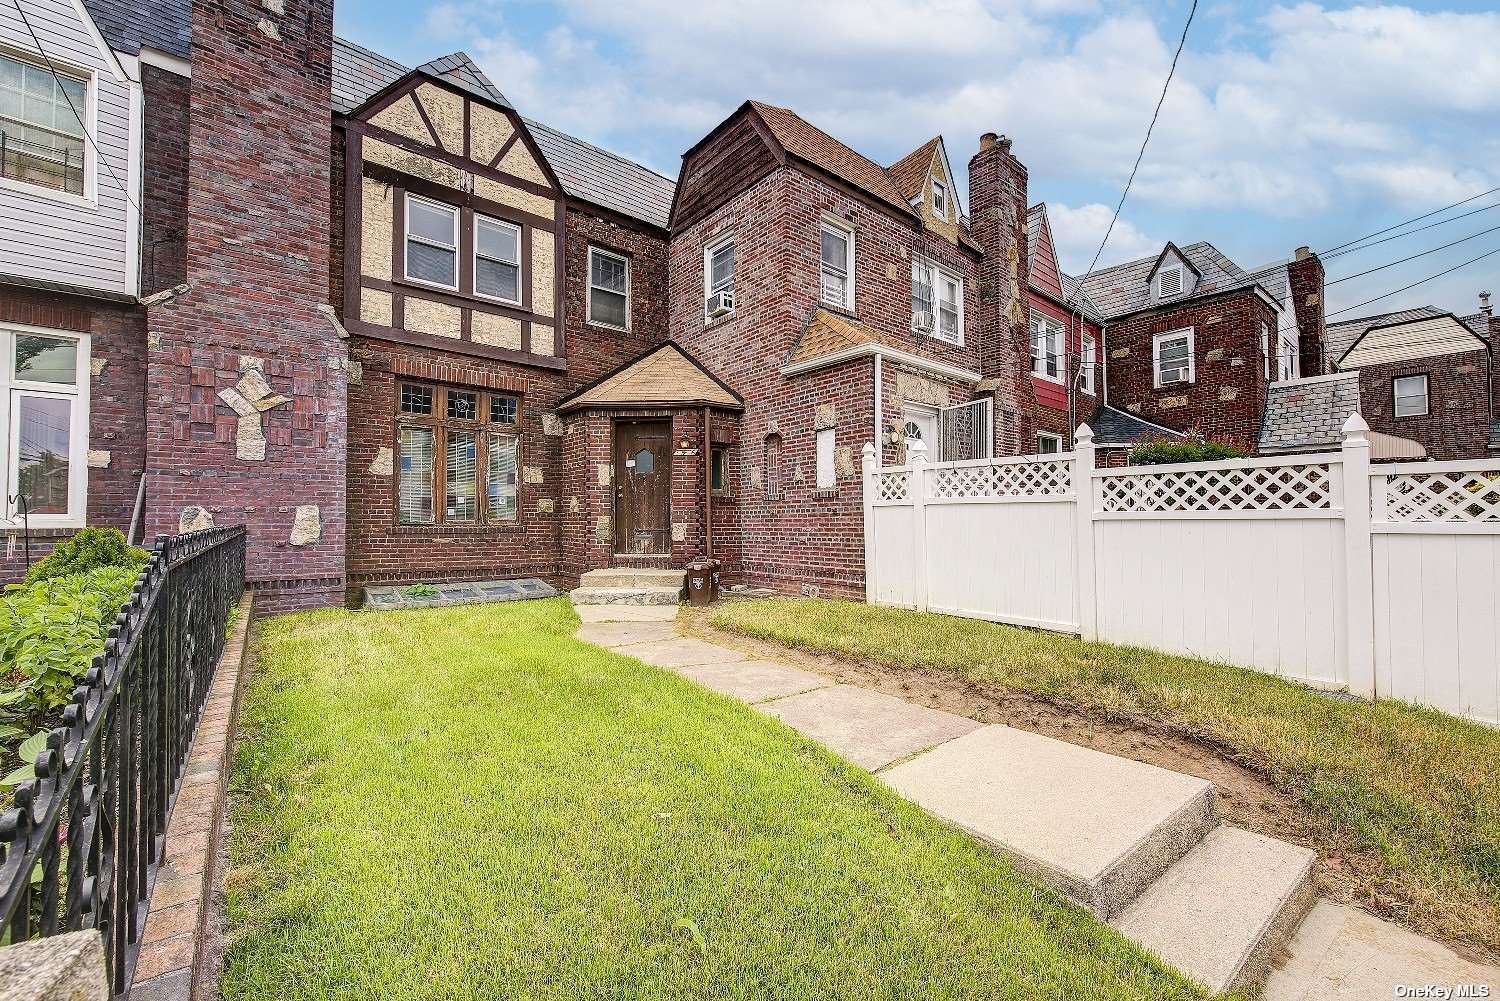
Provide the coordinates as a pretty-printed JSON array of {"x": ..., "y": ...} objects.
[
  {"x": 664, "y": 376},
  {"x": 909, "y": 174},
  {"x": 828, "y": 332},
  {"x": 807, "y": 142}
]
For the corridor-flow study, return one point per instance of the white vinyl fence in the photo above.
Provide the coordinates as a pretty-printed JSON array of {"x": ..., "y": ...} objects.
[{"x": 1321, "y": 568}]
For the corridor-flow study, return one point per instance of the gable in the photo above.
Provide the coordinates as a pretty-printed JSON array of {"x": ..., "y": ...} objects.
[
  {"x": 666, "y": 375},
  {"x": 1425, "y": 337},
  {"x": 1046, "y": 275},
  {"x": 729, "y": 160}
]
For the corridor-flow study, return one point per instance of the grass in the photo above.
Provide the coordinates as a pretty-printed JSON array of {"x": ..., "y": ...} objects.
[
  {"x": 1414, "y": 791},
  {"x": 468, "y": 803}
]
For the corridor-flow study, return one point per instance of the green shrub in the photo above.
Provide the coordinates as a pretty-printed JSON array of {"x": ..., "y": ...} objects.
[
  {"x": 1162, "y": 451},
  {"x": 88, "y": 550}
]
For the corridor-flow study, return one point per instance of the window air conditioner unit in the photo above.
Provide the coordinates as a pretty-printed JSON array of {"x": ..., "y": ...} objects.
[
  {"x": 720, "y": 303},
  {"x": 922, "y": 321}
]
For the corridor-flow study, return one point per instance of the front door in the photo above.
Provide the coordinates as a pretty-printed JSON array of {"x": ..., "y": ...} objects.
[
  {"x": 922, "y": 425},
  {"x": 643, "y": 488}
]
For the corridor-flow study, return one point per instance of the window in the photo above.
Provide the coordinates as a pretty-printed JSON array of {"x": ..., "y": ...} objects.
[
  {"x": 609, "y": 289},
  {"x": 1169, "y": 282},
  {"x": 1047, "y": 443},
  {"x": 1286, "y": 359},
  {"x": 1172, "y": 353},
  {"x": 1409, "y": 394},
  {"x": 1265, "y": 352},
  {"x": 458, "y": 455},
  {"x": 497, "y": 259},
  {"x": 827, "y": 477},
  {"x": 44, "y": 444},
  {"x": 773, "y": 467},
  {"x": 939, "y": 199},
  {"x": 41, "y": 131},
  {"x": 718, "y": 276},
  {"x": 837, "y": 253},
  {"x": 1089, "y": 360},
  {"x": 432, "y": 242},
  {"x": 719, "y": 469},
  {"x": 937, "y": 302},
  {"x": 1046, "y": 347}
]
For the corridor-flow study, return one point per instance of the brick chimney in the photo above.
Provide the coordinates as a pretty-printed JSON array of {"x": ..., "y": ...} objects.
[
  {"x": 248, "y": 372},
  {"x": 997, "y": 209},
  {"x": 1306, "y": 273}
]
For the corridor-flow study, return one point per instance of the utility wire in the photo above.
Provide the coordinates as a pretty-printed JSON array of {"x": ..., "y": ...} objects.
[
  {"x": 1410, "y": 232},
  {"x": 1440, "y": 274},
  {"x": 1419, "y": 218},
  {"x": 98, "y": 153},
  {"x": 1413, "y": 257},
  {"x": 1171, "y": 71}
]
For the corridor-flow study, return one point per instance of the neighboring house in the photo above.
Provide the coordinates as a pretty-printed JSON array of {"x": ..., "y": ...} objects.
[
  {"x": 1066, "y": 341},
  {"x": 1426, "y": 376}
]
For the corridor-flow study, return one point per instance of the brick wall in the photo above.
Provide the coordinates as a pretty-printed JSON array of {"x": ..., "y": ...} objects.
[
  {"x": 1457, "y": 422},
  {"x": 595, "y": 350},
  {"x": 1306, "y": 271},
  {"x": 257, "y": 261},
  {"x": 1227, "y": 397},
  {"x": 164, "y": 155}
]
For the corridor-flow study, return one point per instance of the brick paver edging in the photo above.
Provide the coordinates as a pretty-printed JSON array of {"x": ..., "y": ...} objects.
[{"x": 180, "y": 944}]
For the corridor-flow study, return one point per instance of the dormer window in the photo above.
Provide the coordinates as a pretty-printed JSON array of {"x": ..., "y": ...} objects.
[
  {"x": 1169, "y": 282},
  {"x": 940, "y": 199}
]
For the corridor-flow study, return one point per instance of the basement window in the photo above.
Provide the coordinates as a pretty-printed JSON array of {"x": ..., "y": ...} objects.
[
  {"x": 1048, "y": 443},
  {"x": 44, "y": 426},
  {"x": 457, "y": 456},
  {"x": 1409, "y": 395},
  {"x": 432, "y": 243}
]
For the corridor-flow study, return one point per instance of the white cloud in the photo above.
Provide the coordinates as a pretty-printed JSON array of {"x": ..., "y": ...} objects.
[{"x": 1076, "y": 232}]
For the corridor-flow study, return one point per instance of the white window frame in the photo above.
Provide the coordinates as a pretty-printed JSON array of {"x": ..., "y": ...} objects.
[
  {"x": 845, "y": 232},
  {"x": 1088, "y": 361},
  {"x": 1265, "y": 350},
  {"x": 826, "y": 473},
  {"x": 1052, "y": 330},
  {"x": 1426, "y": 395},
  {"x": 1172, "y": 335},
  {"x": 520, "y": 266},
  {"x": 1055, "y": 439},
  {"x": 1286, "y": 358},
  {"x": 935, "y": 271},
  {"x": 1181, "y": 273},
  {"x": 589, "y": 304},
  {"x": 709, "y": 249},
  {"x": 90, "y": 79},
  {"x": 940, "y": 196},
  {"x": 78, "y": 426},
  {"x": 407, "y": 238}
]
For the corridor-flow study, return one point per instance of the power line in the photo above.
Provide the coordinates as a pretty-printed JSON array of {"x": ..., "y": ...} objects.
[
  {"x": 1413, "y": 257},
  {"x": 1413, "y": 285},
  {"x": 98, "y": 153},
  {"x": 1410, "y": 232},
  {"x": 1171, "y": 71},
  {"x": 1419, "y": 218}
]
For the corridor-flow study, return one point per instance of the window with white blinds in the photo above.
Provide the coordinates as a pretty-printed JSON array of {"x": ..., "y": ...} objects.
[{"x": 458, "y": 456}]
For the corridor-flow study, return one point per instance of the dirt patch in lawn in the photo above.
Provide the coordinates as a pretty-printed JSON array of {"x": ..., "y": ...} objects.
[{"x": 1244, "y": 798}]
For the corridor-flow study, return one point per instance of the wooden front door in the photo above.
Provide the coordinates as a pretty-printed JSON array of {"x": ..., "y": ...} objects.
[{"x": 643, "y": 488}]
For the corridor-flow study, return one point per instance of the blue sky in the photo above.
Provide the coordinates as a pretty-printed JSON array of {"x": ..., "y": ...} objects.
[{"x": 1297, "y": 124}]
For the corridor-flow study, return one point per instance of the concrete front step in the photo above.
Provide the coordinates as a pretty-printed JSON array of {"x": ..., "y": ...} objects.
[
  {"x": 633, "y": 577},
  {"x": 1097, "y": 827},
  {"x": 1222, "y": 913},
  {"x": 625, "y": 596},
  {"x": 626, "y": 613}
]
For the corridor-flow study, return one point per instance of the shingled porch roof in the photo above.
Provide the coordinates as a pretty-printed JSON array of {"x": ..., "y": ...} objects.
[{"x": 666, "y": 376}]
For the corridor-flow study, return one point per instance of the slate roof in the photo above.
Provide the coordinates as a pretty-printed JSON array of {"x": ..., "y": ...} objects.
[
  {"x": 1308, "y": 415},
  {"x": 806, "y": 141},
  {"x": 584, "y": 170},
  {"x": 130, "y": 25},
  {"x": 909, "y": 174},
  {"x": 1340, "y": 336},
  {"x": 458, "y": 69},
  {"x": 1116, "y": 427},
  {"x": 1126, "y": 288},
  {"x": 665, "y": 375}
]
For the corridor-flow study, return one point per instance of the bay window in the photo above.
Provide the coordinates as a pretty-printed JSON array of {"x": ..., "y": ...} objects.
[
  {"x": 458, "y": 455},
  {"x": 45, "y": 443}
]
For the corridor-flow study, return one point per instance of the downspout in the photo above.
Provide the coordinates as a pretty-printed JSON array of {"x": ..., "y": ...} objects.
[
  {"x": 708, "y": 486},
  {"x": 135, "y": 514},
  {"x": 879, "y": 416}
]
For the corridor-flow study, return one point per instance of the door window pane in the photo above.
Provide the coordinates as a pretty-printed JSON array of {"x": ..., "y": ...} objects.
[
  {"x": 461, "y": 503},
  {"x": 501, "y": 479},
  {"x": 42, "y": 441},
  {"x": 416, "y": 476},
  {"x": 46, "y": 359}
]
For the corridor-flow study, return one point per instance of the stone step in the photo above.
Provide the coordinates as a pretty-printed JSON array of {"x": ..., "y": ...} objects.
[
  {"x": 625, "y": 596},
  {"x": 1222, "y": 913},
  {"x": 1097, "y": 827},
  {"x": 632, "y": 577},
  {"x": 626, "y": 613}
]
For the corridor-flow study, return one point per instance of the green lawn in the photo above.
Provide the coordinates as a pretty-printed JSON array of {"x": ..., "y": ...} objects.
[
  {"x": 1415, "y": 791},
  {"x": 468, "y": 803}
]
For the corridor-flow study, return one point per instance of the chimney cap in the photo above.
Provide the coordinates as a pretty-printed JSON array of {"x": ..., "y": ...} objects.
[
  {"x": 987, "y": 140},
  {"x": 1301, "y": 253},
  {"x": 1484, "y": 302}
]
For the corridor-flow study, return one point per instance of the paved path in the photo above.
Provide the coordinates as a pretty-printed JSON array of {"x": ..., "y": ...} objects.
[{"x": 1337, "y": 953}]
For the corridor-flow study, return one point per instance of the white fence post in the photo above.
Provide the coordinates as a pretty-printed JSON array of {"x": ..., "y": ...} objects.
[
  {"x": 869, "y": 486},
  {"x": 1358, "y": 557},
  {"x": 1083, "y": 499},
  {"x": 916, "y": 457}
]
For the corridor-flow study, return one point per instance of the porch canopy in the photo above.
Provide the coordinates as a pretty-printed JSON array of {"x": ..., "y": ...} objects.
[{"x": 665, "y": 377}]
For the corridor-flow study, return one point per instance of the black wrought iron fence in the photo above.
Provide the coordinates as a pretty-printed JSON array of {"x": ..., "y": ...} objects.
[{"x": 80, "y": 845}]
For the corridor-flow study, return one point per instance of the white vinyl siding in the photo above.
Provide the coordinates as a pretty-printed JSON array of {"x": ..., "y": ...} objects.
[
  {"x": 88, "y": 240},
  {"x": 1172, "y": 357},
  {"x": 1409, "y": 395}
]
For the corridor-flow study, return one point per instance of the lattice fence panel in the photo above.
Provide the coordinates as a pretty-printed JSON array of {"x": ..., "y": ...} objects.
[
  {"x": 1003, "y": 479},
  {"x": 894, "y": 486},
  {"x": 1290, "y": 487},
  {"x": 1468, "y": 497}
]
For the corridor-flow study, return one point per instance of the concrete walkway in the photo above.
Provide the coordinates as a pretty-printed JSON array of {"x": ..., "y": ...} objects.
[{"x": 1138, "y": 845}]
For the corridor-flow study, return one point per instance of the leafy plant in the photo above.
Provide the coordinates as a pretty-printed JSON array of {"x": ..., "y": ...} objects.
[
  {"x": 89, "y": 550},
  {"x": 1162, "y": 451},
  {"x": 31, "y": 748},
  {"x": 421, "y": 591}
]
